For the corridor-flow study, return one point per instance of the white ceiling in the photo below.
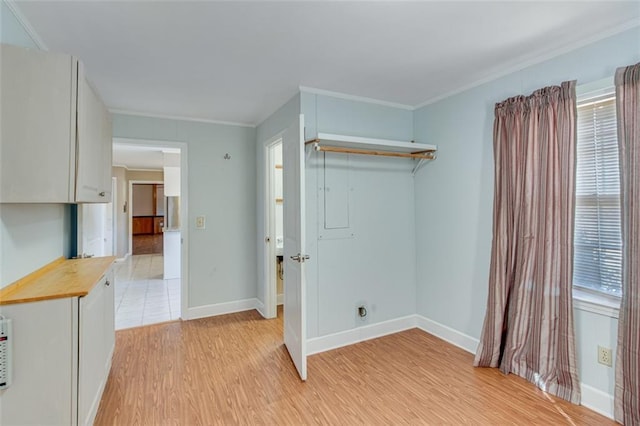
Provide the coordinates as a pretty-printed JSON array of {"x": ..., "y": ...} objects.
[
  {"x": 140, "y": 157},
  {"x": 239, "y": 61}
]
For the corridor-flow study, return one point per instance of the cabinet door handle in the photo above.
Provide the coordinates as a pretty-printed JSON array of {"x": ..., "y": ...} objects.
[
  {"x": 107, "y": 283},
  {"x": 102, "y": 194}
]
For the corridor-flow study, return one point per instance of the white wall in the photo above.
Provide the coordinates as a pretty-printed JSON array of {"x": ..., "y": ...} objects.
[
  {"x": 31, "y": 235},
  {"x": 454, "y": 196},
  {"x": 122, "y": 216},
  {"x": 376, "y": 266},
  {"x": 222, "y": 262}
]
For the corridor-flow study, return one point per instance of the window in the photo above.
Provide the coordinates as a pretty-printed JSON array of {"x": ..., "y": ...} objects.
[{"x": 597, "y": 238}]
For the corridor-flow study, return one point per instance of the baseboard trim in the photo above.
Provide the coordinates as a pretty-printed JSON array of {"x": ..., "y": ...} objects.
[
  {"x": 597, "y": 400},
  {"x": 122, "y": 259},
  {"x": 280, "y": 299},
  {"x": 221, "y": 308},
  {"x": 359, "y": 334},
  {"x": 447, "y": 334},
  {"x": 260, "y": 308}
]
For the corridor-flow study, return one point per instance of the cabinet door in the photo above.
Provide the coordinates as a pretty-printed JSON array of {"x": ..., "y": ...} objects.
[
  {"x": 93, "y": 162},
  {"x": 92, "y": 349},
  {"x": 43, "y": 389},
  {"x": 37, "y": 136},
  {"x": 109, "y": 321}
]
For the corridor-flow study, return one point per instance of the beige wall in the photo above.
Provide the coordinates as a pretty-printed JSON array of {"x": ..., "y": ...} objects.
[
  {"x": 148, "y": 175},
  {"x": 142, "y": 200}
]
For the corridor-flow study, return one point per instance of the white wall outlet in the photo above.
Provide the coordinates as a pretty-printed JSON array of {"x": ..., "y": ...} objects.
[
  {"x": 605, "y": 356},
  {"x": 200, "y": 222}
]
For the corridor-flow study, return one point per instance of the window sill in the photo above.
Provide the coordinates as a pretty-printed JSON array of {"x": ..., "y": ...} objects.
[{"x": 595, "y": 303}]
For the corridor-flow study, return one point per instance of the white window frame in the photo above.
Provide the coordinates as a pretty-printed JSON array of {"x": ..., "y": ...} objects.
[{"x": 586, "y": 299}]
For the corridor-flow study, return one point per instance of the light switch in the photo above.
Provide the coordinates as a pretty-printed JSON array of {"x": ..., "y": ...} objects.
[{"x": 200, "y": 222}]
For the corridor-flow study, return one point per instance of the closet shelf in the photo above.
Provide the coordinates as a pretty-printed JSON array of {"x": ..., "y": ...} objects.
[{"x": 369, "y": 146}]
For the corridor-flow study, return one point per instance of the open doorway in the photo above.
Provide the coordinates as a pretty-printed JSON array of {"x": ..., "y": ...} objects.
[
  {"x": 149, "y": 277},
  {"x": 275, "y": 227},
  {"x": 147, "y": 216}
]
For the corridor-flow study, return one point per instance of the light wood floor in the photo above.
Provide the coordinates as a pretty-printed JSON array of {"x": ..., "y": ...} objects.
[{"x": 234, "y": 369}]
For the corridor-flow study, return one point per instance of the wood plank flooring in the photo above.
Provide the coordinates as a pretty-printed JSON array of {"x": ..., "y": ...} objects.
[{"x": 234, "y": 369}]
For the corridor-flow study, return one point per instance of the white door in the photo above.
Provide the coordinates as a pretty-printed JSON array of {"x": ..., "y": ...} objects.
[{"x": 295, "y": 324}]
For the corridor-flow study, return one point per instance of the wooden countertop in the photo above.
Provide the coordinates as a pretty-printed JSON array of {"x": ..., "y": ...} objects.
[{"x": 59, "y": 279}]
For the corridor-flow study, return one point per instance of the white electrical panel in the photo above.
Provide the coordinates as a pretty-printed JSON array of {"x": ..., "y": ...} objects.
[{"x": 6, "y": 342}]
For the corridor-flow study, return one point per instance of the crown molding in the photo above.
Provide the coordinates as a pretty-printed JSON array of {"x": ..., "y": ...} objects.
[
  {"x": 536, "y": 60},
  {"x": 24, "y": 22},
  {"x": 179, "y": 118},
  {"x": 137, "y": 169},
  {"x": 314, "y": 91}
]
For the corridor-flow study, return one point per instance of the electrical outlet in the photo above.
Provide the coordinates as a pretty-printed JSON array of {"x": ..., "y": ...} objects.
[
  {"x": 605, "y": 356},
  {"x": 200, "y": 222}
]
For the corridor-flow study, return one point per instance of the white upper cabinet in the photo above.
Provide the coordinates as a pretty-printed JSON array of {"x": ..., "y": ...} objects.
[
  {"x": 55, "y": 137},
  {"x": 93, "y": 179}
]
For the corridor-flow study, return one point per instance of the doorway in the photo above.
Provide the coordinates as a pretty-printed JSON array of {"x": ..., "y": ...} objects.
[
  {"x": 151, "y": 280},
  {"x": 147, "y": 216},
  {"x": 275, "y": 227}
]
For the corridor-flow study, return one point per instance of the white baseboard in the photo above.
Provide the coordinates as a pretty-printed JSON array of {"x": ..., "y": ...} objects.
[
  {"x": 280, "y": 299},
  {"x": 448, "y": 334},
  {"x": 122, "y": 259},
  {"x": 597, "y": 400},
  {"x": 221, "y": 308},
  {"x": 360, "y": 334},
  {"x": 260, "y": 308},
  {"x": 592, "y": 398}
]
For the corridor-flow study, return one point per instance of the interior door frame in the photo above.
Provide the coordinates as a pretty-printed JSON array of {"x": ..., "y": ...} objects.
[
  {"x": 130, "y": 201},
  {"x": 270, "y": 282},
  {"x": 184, "y": 212}
]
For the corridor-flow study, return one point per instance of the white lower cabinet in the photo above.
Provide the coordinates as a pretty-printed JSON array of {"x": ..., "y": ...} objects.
[
  {"x": 95, "y": 344},
  {"x": 62, "y": 351}
]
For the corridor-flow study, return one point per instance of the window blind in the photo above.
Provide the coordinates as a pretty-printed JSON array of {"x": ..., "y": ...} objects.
[{"x": 597, "y": 239}]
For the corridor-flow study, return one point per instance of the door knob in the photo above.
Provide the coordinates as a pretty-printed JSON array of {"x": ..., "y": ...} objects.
[{"x": 300, "y": 258}]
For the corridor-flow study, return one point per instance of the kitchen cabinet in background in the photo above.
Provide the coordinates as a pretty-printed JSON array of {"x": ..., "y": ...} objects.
[{"x": 55, "y": 138}]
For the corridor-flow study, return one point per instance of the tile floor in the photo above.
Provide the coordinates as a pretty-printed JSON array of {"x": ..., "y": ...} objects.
[{"x": 141, "y": 295}]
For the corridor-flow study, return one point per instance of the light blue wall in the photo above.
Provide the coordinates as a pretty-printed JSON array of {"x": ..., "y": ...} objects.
[
  {"x": 222, "y": 257},
  {"x": 31, "y": 235},
  {"x": 454, "y": 195},
  {"x": 12, "y": 31},
  {"x": 329, "y": 114},
  {"x": 377, "y": 266}
]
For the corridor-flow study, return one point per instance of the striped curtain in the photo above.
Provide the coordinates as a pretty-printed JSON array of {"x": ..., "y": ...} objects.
[
  {"x": 627, "y": 394},
  {"x": 528, "y": 328}
]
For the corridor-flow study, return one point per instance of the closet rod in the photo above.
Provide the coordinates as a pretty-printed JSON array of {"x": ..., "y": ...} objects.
[{"x": 425, "y": 155}]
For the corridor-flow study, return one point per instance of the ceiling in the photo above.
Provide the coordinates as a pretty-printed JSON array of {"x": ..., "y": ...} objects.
[
  {"x": 239, "y": 61},
  {"x": 140, "y": 157}
]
